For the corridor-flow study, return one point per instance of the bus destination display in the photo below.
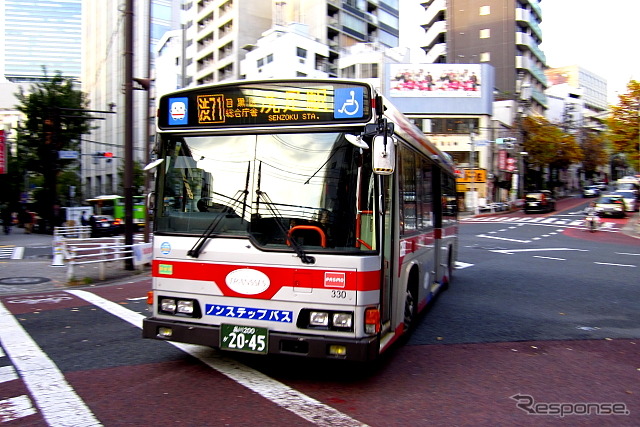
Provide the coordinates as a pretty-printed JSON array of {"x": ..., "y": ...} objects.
[{"x": 252, "y": 105}]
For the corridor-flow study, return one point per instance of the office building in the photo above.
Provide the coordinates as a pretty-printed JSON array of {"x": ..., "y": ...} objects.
[
  {"x": 220, "y": 32},
  {"x": 503, "y": 33},
  {"x": 37, "y": 34},
  {"x": 103, "y": 82}
]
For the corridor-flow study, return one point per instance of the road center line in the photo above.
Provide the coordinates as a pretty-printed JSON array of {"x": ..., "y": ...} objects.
[
  {"x": 56, "y": 399},
  {"x": 616, "y": 265},
  {"x": 282, "y": 395},
  {"x": 550, "y": 257}
]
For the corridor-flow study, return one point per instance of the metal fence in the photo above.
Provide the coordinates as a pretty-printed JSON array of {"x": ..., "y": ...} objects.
[{"x": 72, "y": 246}]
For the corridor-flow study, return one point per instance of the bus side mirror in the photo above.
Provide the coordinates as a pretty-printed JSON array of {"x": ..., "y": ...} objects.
[{"x": 384, "y": 155}]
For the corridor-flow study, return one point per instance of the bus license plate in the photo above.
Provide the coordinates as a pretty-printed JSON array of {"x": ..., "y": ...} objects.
[{"x": 244, "y": 338}]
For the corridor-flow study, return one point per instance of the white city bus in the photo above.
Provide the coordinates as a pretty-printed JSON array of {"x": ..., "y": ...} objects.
[{"x": 299, "y": 217}]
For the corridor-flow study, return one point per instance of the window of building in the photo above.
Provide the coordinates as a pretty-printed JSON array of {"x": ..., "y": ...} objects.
[
  {"x": 485, "y": 33},
  {"x": 270, "y": 58},
  {"x": 387, "y": 18},
  {"x": 387, "y": 39},
  {"x": 485, "y": 10},
  {"x": 260, "y": 62},
  {"x": 485, "y": 57},
  {"x": 301, "y": 74},
  {"x": 301, "y": 53},
  {"x": 369, "y": 71},
  {"x": 354, "y": 23},
  {"x": 448, "y": 125},
  {"x": 349, "y": 72}
]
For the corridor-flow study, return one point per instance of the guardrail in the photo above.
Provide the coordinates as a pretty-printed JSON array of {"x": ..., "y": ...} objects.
[
  {"x": 76, "y": 231},
  {"x": 73, "y": 245},
  {"x": 92, "y": 253}
]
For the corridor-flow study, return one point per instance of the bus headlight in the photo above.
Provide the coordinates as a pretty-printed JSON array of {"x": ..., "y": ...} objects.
[
  {"x": 184, "y": 307},
  {"x": 319, "y": 318},
  {"x": 168, "y": 305},
  {"x": 342, "y": 320}
]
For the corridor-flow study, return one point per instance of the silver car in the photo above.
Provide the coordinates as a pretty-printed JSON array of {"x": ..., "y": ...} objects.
[
  {"x": 591, "y": 191},
  {"x": 630, "y": 199}
]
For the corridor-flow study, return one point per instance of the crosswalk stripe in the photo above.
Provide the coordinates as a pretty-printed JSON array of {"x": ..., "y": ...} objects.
[
  {"x": 15, "y": 408},
  {"x": 55, "y": 398},
  {"x": 7, "y": 373},
  {"x": 290, "y": 399}
]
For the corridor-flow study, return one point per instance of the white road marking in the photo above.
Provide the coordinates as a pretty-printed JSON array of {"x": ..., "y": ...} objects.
[
  {"x": 615, "y": 265},
  {"x": 7, "y": 373},
  {"x": 549, "y": 257},
  {"x": 54, "y": 397},
  {"x": 282, "y": 395},
  {"x": 511, "y": 251},
  {"x": 503, "y": 238},
  {"x": 18, "y": 252},
  {"x": 627, "y": 253},
  {"x": 460, "y": 265},
  {"x": 15, "y": 408}
]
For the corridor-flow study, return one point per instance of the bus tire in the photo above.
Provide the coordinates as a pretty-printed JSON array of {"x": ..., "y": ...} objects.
[
  {"x": 450, "y": 267},
  {"x": 411, "y": 302}
]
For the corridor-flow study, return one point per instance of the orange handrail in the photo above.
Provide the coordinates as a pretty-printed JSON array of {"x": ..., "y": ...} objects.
[{"x": 323, "y": 237}]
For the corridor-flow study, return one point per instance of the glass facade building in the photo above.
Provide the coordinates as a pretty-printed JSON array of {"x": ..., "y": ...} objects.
[{"x": 41, "y": 33}]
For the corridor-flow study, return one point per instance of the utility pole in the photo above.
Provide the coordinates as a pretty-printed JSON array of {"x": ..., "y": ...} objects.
[{"x": 128, "y": 128}]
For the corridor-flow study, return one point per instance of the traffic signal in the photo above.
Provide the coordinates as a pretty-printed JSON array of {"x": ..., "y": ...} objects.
[{"x": 104, "y": 154}]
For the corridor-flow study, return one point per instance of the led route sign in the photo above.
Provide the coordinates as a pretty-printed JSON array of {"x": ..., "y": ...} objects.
[{"x": 254, "y": 104}]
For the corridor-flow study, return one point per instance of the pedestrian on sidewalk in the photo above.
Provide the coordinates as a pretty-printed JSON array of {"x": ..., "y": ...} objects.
[{"x": 7, "y": 220}]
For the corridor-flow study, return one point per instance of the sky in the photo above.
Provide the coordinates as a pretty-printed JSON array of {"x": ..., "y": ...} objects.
[{"x": 600, "y": 36}]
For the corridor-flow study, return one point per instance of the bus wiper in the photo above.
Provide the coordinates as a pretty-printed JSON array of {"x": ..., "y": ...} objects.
[
  {"x": 307, "y": 259},
  {"x": 195, "y": 251}
]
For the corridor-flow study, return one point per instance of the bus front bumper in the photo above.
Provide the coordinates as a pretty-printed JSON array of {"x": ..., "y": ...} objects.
[{"x": 314, "y": 346}]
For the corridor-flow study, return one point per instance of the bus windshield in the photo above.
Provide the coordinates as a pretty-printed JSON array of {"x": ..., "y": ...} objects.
[{"x": 314, "y": 188}]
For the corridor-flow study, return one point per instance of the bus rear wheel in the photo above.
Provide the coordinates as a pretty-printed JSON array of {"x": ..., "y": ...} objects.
[{"x": 410, "y": 310}]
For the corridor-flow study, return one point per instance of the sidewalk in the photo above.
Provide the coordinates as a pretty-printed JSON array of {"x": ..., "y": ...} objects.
[{"x": 35, "y": 272}]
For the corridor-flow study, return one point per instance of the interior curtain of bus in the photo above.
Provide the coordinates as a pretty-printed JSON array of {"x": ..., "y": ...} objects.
[{"x": 316, "y": 188}]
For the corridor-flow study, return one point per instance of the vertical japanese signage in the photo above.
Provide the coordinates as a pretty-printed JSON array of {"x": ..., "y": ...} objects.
[{"x": 3, "y": 153}]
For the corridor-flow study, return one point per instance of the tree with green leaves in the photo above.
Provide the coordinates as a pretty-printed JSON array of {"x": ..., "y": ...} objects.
[
  {"x": 624, "y": 124},
  {"x": 547, "y": 146},
  {"x": 55, "y": 118}
]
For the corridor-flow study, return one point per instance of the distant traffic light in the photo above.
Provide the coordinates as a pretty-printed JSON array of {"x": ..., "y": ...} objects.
[{"x": 104, "y": 154}]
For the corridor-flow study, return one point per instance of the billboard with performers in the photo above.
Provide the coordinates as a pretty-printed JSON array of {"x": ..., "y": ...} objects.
[{"x": 435, "y": 80}]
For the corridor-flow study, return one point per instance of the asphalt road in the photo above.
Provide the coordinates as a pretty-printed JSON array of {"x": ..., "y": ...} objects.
[{"x": 542, "y": 319}]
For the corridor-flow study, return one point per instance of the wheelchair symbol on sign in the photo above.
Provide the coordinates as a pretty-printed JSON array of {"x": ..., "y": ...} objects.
[{"x": 351, "y": 102}]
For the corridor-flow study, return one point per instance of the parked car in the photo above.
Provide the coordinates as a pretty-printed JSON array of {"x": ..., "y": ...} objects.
[
  {"x": 103, "y": 225},
  {"x": 630, "y": 199},
  {"x": 539, "y": 201},
  {"x": 611, "y": 205},
  {"x": 591, "y": 191}
]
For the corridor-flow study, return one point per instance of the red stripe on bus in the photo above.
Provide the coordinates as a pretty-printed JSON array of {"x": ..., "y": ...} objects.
[{"x": 279, "y": 277}]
